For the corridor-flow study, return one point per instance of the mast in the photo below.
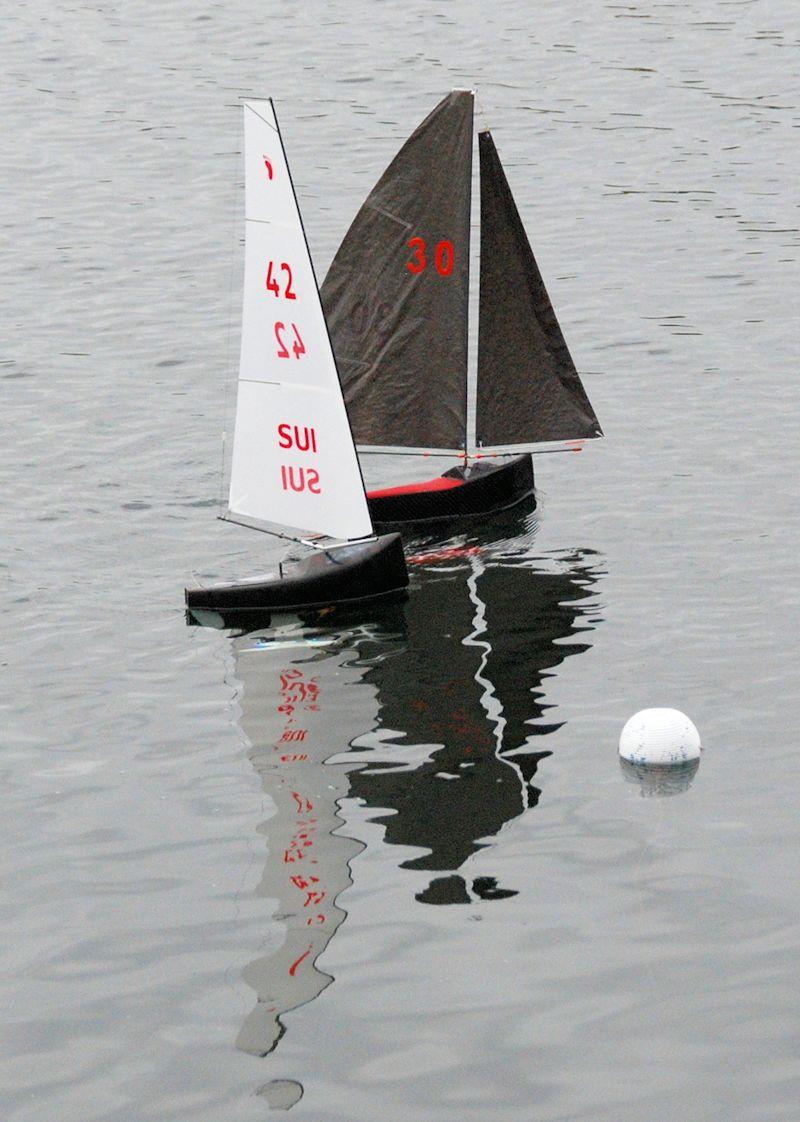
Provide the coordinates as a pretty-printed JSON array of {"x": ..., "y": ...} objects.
[
  {"x": 294, "y": 460},
  {"x": 396, "y": 294},
  {"x": 528, "y": 388}
]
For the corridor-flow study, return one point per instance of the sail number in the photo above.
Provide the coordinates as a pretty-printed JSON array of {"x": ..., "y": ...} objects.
[
  {"x": 373, "y": 315},
  {"x": 298, "y": 348},
  {"x": 273, "y": 284},
  {"x": 295, "y": 438},
  {"x": 444, "y": 257}
]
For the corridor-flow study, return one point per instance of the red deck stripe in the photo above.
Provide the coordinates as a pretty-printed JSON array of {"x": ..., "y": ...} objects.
[{"x": 439, "y": 484}]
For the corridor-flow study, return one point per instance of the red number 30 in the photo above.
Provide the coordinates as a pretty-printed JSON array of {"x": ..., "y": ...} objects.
[{"x": 444, "y": 257}]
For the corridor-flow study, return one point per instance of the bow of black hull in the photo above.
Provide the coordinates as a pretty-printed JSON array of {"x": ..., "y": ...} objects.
[{"x": 352, "y": 575}]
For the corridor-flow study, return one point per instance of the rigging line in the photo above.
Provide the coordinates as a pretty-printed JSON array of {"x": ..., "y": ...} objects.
[
  {"x": 260, "y": 529},
  {"x": 234, "y": 242},
  {"x": 246, "y": 102}
]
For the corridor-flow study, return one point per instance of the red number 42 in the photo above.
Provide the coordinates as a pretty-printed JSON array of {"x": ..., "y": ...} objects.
[
  {"x": 298, "y": 347},
  {"x": 274, "y": 287}
]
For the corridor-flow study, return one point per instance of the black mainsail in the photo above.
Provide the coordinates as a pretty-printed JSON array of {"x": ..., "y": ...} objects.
[
  {"x": 528, "y": 387},
  {"x": 396, "y": 294},
  {"x": 396, "y": 302}
]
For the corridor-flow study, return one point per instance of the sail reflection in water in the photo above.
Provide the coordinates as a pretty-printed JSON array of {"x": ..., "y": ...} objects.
[
  {"x": 462, "y": 714},
  {"x": 434, "y": 716},
  {"x": 301, "y": 704}
]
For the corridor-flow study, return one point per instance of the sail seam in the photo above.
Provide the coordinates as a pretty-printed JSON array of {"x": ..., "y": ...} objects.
[
  {"x": 305, "y": 386},
  {"x": 391, "y": 217},
  {"x": 270, "y": 222}
]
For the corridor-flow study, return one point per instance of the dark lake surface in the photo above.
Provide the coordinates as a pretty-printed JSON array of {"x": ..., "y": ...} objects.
[{"x": 395, "y": 865}]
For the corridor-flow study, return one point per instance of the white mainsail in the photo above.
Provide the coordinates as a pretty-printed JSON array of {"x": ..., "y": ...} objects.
[{"x": 294, "y": 461}]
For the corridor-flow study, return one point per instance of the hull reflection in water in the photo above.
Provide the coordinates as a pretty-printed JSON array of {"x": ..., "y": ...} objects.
[{"x": 434, "y": 716}]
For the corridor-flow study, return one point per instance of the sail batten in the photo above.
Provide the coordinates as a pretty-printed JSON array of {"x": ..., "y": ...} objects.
[
  {"x": 396, "y": 293},
  {"x": 528, "y": 389},
  {"x": 294, "y": 461},
  {"x": 533, "y": 448}
]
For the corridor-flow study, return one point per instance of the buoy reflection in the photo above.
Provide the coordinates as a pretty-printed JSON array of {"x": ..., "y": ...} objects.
[{"x": 658, "y": 781}]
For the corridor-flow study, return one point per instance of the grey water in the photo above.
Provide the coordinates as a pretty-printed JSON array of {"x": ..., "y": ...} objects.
[{"x": 504, "y": 924}]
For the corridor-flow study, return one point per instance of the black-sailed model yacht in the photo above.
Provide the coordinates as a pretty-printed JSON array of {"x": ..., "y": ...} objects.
[{"x": 396, "y": 302}]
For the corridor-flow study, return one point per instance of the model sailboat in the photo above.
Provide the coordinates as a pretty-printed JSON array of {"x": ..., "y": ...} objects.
[
  {"x": 294, "y": 462},
  {"x": 396, "y": 302}
]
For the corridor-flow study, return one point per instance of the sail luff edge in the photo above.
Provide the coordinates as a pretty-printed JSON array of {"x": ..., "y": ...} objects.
[{"x": 322, "y": 313}]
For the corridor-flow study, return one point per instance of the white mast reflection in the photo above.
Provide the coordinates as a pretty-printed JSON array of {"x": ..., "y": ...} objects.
[
  {"x": 489, "y": 699},
  {"x": 299, "y": 709}
]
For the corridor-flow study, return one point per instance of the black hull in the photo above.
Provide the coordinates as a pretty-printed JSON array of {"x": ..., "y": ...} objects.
[
  {"x": 486, "y": 488},
  {"x": 352, "y": 576}
]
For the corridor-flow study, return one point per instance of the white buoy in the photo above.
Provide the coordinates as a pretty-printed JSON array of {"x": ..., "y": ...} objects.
[{"x": 659, "y": 736}]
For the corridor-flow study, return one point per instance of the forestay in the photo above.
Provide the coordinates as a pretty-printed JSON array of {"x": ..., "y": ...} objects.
[{"x": 294, "y": 461}]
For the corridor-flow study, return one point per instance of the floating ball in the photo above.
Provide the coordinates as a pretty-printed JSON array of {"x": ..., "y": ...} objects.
[{"x": 659, "y": 736}]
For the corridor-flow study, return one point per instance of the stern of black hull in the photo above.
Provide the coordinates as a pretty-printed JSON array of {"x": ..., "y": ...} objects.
[{"x": 486, "y": 488}]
